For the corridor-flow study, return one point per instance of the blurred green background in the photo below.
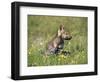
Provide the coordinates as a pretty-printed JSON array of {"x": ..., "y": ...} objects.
[{"x": 41, "y": 29}]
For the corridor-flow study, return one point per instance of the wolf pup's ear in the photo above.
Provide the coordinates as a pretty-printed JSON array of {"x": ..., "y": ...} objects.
[
  {"x": 59, "y": 32},
  {"x": 61, "y": 28}
]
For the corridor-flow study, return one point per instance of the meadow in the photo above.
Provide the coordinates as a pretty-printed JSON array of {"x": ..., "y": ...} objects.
[{"x": 41, "y": 29}]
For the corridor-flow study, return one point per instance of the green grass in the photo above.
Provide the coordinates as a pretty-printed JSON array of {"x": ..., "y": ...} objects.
[{"x": 41, "y": 29}]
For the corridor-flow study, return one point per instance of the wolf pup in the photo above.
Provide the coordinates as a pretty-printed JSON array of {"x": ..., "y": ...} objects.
[{"x": 57, "y": 43}]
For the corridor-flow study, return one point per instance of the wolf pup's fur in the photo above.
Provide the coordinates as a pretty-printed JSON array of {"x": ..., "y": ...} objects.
[{"x": 57, "y": 43}]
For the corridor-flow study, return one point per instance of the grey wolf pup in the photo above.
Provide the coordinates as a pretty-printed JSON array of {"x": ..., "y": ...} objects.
[{"x": 57, "y": 43}]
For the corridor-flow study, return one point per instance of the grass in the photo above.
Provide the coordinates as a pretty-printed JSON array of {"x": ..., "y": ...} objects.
[{"x": 41, "y": 30}]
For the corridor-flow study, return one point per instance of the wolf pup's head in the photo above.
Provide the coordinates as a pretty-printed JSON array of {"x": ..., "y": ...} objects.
[{"x": 63, "y": 34}]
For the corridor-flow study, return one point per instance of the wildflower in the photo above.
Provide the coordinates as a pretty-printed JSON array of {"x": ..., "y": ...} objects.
[
  {"x": 29, "y": 52},
  {"x": 62, "y": 56},
  {"x": 59, "y": 59},
  {"x": 69, "y": 43},
  {"x": 32, "y": 45},
  {"x": 41, "y": 43}
]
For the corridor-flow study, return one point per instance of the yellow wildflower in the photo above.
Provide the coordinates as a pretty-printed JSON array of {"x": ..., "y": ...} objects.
[
  {"x": 62, "y": 56},
  {"x": 59, "y": 59}
]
